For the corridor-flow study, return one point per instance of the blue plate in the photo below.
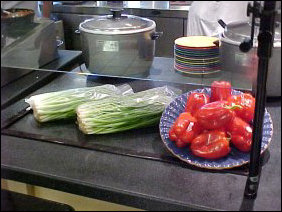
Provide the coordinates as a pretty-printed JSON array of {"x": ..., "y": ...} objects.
[
  {"x": 234, "y": 159},
  {"x": 197, "y": 50},
  {"x": 188, "y": 65},
  {"x": 194, "y": 56},
  {"x": 205, "y": 54}
]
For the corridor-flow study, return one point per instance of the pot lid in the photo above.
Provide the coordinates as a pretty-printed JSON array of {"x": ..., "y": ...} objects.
[
  {"x": 117, "y": 24},
  {"x": 236, "y": 32}
]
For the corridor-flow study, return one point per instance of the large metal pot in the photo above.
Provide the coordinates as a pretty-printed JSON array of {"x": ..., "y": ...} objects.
[
  {"x": 235, "y": 60},
  {"x": 119, "y": 45}
]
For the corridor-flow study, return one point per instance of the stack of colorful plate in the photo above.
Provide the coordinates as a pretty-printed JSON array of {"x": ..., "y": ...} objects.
[{"x": 196, "y": 55}]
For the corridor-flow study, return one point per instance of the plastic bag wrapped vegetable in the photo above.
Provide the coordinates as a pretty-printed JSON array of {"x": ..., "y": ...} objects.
[
  {"x": 62, "y": 104},
  {"x": 116, "y": 114}
]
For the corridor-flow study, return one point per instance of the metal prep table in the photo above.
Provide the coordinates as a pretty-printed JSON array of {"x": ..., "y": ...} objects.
[{"x": 98, "y": 171}]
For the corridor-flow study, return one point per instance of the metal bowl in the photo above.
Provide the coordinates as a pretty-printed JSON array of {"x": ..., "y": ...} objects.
[{"x": 18, "y": 16}]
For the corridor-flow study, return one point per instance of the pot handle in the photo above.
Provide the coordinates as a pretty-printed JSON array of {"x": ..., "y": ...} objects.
[
  {"x": 156, "y": 35},
  {"x": 77, "y": 31},
  {"x": 222, "y": 24},
  {"x": 59, "y": 43}
]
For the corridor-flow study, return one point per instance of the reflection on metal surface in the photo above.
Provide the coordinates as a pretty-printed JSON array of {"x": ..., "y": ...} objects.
[
  {"x": 30, "y": 45},
  {"x": 132, "y": 4},
  {"x": 132, "y": 7}
]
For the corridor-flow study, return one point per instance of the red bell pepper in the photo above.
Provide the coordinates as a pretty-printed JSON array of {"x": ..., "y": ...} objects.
[
  {"x": 179, "y": 143},
  {"x": 182, "y": 123},
  {"x": 215, "y": 115},
  {"x": 191, "y": 132},
  {"x": 247, "y": 103},
  {"x": 184, "y": 129},
  {"x": 211, "y": 145},
  {"x": 195, "y": 101},
  {"x": 171, "y": 134},
  {"x": 220, "y": 90},
  {"x": 241, "y": 134}
]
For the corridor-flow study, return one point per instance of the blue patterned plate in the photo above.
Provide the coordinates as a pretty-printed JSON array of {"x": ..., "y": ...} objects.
[{"x": 234, "y": 159}]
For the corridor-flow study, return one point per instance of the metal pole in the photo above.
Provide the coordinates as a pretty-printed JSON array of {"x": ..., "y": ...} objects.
[{"x": 265, "y": 44}]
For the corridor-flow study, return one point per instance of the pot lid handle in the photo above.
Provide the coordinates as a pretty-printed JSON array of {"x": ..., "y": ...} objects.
[
  {"x": 254, "y": 9},
  {"x": 116, "y": 13},
  {"x": 222, "y": 23}
]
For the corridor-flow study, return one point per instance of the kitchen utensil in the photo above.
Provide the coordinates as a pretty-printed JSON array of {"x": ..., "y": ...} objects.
[{"x": 118, "y": 44}]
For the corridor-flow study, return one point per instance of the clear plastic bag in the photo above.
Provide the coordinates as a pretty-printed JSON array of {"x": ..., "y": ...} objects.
[
  {"x": 114, "y": 114},
  {"x": 62, "y": 104}
]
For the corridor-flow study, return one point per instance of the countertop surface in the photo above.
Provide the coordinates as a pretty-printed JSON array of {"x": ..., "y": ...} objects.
[{"x": 139, "y": 182}]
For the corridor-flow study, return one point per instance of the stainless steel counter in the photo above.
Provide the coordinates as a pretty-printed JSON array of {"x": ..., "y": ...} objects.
[{"x": 141, "y": 8}]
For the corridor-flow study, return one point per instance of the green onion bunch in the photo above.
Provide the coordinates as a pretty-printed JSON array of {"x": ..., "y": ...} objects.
[
  {"x": 62, "y": 104},
  {"x": 116, "y": 114}
]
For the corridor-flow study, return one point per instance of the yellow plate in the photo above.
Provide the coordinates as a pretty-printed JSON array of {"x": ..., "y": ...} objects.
[{"x": 196, "y": 41}]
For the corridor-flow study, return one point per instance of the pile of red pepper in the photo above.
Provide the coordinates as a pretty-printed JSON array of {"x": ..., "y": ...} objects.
[{"x": 210, "y": 123}]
